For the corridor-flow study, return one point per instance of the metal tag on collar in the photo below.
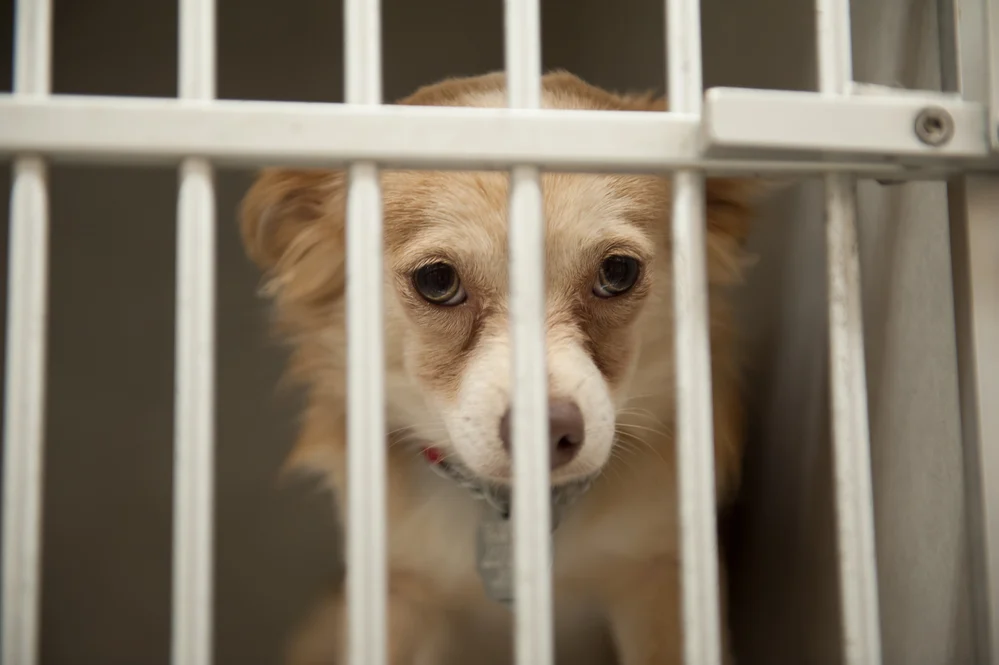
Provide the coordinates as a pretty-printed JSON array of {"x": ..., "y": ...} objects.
[{"x": 494, "y": 553}]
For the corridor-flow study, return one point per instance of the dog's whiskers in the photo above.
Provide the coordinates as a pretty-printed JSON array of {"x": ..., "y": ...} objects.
[
  {"x": 643, "y": 428},
  {"x": 627, "y": 436}
]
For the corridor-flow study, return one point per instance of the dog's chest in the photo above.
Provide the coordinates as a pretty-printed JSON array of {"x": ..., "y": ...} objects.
[
  {"x": 436, "y": 539},
  {"x": 484, "y": 635}
]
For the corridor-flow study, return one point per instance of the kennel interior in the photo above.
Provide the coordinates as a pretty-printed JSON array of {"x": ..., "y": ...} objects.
[{"x": 109, "y": 408}]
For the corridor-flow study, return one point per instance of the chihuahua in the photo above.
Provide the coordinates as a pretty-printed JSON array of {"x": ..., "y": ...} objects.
[{"x": 610, "y": 362}]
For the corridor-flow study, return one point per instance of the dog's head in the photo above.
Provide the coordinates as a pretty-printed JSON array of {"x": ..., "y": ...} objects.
[{"x": 608, "y": 308}]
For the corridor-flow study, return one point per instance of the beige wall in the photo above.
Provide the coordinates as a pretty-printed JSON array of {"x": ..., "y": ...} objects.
[{"x": 107, "y": 529}]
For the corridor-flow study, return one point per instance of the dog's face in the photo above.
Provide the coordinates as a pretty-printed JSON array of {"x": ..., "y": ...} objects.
[
  {"x": 449, "y": 355},
  {"x": 446, "y": 237}
]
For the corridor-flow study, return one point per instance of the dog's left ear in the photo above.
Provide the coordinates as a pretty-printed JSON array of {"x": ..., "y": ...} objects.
[{"x": 731, "y": 203}]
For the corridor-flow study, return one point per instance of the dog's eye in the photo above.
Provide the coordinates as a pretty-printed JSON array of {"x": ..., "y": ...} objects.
[
  {"x": 617, "y": 275},
  {"x": 438, "y": 283}
]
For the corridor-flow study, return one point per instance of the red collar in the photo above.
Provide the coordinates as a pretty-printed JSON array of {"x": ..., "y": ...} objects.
[{"x": 433, "y": 455}]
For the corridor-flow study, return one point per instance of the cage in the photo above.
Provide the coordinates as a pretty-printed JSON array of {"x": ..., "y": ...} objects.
[{"x": 143, "y": 520}]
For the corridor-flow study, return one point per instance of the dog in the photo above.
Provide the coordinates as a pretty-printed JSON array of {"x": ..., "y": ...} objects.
[{"x": 610, "y": 358}]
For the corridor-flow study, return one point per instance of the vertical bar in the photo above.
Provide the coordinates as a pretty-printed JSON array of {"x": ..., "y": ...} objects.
[
  {"x": 194, "y": 400},
  {"x": 835, "y": 54},
  {"x": 962, "y": 42},
  {"x": 858, "y": 581},
  {"x": 529, "y": 373},
  {"x": 851, "y": 439},
  {"x": 24, "y": 416},
  {"x": 695, "y": 450},
  {"x": 991, "y": 55},
  {"x": 974, "y": 207},
  {"x": 367, "y": 583}
]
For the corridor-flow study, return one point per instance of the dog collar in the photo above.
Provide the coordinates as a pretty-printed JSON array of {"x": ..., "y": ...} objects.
[
  {"x": 498, "y": 496},
  {"x": 494, "y": 551}
]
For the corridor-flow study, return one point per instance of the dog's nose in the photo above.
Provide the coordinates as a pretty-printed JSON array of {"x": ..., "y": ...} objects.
[{"x": 565, "y": 431}]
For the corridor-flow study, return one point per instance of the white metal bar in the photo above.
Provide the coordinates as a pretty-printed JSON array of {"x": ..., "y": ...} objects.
[
  {"x": 25, "y": 411},
  {"x": 197, "y": 50},
  {"x": 962, "y": 42},
  {"x": 974, "y": 213},
  {"x": 694, "y": 446},
  {"x": 24, "y": 407},
  {"x": 330, "y": 135},
  {"x": 858, "y": 580},
  {"x": 33, "y": 48},
  {"x": 367, "y": 568},
  {"x": 325, "y": 134},
  {"x": 194, "y": 418},
  {"x": 851, "y": 439},
  {"x": 991, "y": 55},
  {"x": 363, "y": 52},
  {"x": 533, "y": 605},
  {"x": 974, "y": 209},
  {"x": 194, "y": 401},
  {"x": 805, "y": 121},
  {"x": 835, "y": 53}
]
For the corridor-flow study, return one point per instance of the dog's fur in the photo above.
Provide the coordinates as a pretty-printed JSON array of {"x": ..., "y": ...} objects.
[{"x": 616, "y": 551}]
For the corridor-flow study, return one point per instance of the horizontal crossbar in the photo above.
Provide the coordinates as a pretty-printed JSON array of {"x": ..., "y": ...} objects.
[
  {"x": 879, "y": 126},
  {"x": 257, "y": 133}
]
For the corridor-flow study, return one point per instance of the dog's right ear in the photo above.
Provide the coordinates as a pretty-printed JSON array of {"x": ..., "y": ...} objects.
[
  {"x": 285, "y": 203},
  {"x": 293, "y": 228}
]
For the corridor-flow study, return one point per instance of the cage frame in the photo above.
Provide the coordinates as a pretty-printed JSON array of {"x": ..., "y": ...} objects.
[{"x": 864, "y": 132}]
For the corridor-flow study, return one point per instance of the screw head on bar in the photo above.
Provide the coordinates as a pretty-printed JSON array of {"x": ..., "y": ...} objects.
[{"x": 934, "y": 126}]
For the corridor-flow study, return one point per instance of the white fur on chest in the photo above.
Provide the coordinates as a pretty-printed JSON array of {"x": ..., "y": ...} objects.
[
  {"x": 436, "y": 536},
  {"x": 436, "y": 541}
]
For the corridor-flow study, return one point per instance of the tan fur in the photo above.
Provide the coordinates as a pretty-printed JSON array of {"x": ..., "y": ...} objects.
[{"x": 616, "y": 567}]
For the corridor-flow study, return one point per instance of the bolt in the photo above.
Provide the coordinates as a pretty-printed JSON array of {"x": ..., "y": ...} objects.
[{"x": 934, "y": 126}]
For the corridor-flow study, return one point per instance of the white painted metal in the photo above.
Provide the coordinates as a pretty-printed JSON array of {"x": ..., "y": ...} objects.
[
  {"x": 974, "y": 247},
  {"x": 194, "y": 418},
  {"x": 253, "y": 133},
  {"x": 24, "y": 418},
  {"x": 974, "y": 210},
  {"x": 694, "y": 433},
  {"x": 858, "y": 580},
  {"x": 990, "y": 51},
  {"x": 533, "y": 605},
  {"x": 835, "y": 53},
  {"x": 841, "y": 126},
  {"x": 529, "y": 398},
  {"x": 197, "y": 51},
  {"x": 331, "y": 134},
  {"x": 367, "y": 569},
  {"x": 851, "y": 439},
  {"x": 33, "y": 49},
  {"x": 963, "y": 68},
  {"x": 367, "y": 584},
  {"x": 24, "y": 408},
  {"x": 194, "y": 390}
]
